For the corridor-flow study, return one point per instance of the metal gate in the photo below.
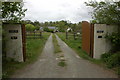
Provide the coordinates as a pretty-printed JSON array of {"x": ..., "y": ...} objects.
[{"x": 88, "y": 37}]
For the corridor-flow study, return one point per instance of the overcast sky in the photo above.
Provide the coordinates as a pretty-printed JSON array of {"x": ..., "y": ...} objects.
[{"x": 56, "y": 10}]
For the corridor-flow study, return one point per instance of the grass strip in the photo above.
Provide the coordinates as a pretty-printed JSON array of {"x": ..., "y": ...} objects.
[{"x": 57, "y": 48}]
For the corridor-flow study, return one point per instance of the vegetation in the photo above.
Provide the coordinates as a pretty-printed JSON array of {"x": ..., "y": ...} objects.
[
  {"x": 108, "y": 13},
  {"x": 114, "y": 38},
  {"x": 56, "y": 45},
  {"x": 105, "y": 12},
  {"x": 33, "y": 50},
  {"x": 61, "y": 25},
  {"x": 48, "y": 30},
  {"x": 62, "y": 63},
  {"x": 12, "y": 11},
  {"x": 30, "y": 27},
  {"x": 112, "y": 61},
  {"x": 76, "y": 45},
  {"x": 108, "y": 59}
]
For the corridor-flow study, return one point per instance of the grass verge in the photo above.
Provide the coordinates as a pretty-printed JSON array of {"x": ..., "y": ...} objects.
[
  {"x": 56, "y": 45},
  {"x": 34, "y": 48}
]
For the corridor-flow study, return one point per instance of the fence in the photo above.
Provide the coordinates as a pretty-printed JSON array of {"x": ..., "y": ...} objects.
[
  {"x": 76, "y": 35},
  {"x": 34, "y": 35}
]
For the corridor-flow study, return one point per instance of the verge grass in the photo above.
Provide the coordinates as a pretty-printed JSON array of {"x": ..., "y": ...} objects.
[{"x": 34, "y": 48}]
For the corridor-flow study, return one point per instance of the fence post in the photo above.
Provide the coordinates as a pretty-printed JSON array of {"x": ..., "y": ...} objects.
[
  {"x": 40, "y": 34},
  {"x": 66, "y": 35},
  {"x": 34, "y": 34},
  {"x": 74, "y": 35}
]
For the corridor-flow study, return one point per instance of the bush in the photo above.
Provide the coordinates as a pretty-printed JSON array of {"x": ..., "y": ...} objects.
[
  {"x": 112, "y": 60},
  {"x": 30, "y": 27},
  {"x": 118, "y": 71},
  {"x": 105, "y": 57},
  {"x": 48, "y": 30},
  {"x": 115, "y": 40}
]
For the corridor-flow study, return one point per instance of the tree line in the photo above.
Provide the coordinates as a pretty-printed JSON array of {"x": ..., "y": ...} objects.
[{"x": 61, "y": 25}]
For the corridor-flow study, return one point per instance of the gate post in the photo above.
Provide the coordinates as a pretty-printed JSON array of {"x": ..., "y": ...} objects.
[{"x": 24, "y": 41}]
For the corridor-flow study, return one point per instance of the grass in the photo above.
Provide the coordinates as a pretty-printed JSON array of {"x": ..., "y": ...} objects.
[
  {"x": 62, "y": 63},
  {"x": 34, "y": 48},
  {"x": 76, "y": 45},
  {"x": 57, "y": 48}
]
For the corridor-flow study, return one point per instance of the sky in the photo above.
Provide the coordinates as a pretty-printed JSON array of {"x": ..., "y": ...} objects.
[{"x": 55, "y": 10}]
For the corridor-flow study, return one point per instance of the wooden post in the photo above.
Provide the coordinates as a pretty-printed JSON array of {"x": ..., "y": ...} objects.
[
  {"x": 66, "y": 35},
  {"x": 74, "y": 36},
  {"x": 34, "y": 34},
  {"x": 40, "y": 34},
  {"x": 24, "y": 41}
]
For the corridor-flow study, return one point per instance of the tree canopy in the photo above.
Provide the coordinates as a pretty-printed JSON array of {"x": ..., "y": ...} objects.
[
  {"x": 30, "y": 27},
  {"x": 61, "y": 25},
  {"x": 105, "y": 12},
  {"x": 12, "y": 11}
]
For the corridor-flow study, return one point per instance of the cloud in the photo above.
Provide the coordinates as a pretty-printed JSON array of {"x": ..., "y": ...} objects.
[{"x": 55, "y": 10}]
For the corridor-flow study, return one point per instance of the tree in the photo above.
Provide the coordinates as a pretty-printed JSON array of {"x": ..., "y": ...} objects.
[
  {"x": 109, "y": 13},
  {"x": 105, "y": 12},
  {"x": 30, "y": 27},
  {"x": 12, "y": 11}
]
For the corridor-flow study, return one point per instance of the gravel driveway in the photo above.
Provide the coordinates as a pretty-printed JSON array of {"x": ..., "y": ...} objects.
[{"x": 47, "y": 65}]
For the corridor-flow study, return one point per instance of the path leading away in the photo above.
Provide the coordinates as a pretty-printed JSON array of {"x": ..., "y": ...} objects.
[{"x": 47, "y": 65}]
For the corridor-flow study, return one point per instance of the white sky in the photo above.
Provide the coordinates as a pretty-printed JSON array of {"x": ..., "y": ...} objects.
[{"x": 56, "y": 10}]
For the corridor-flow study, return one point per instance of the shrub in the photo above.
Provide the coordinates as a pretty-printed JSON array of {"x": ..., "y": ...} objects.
[
  {"x": 46, "y": 29},
  {"x": 112, "y": 60},
  {"x": 115, "y": 40},
  {"x": 105, "y": 57},
  {"x": 118, "y": 71},
  {"x": 30, "y": 27}
]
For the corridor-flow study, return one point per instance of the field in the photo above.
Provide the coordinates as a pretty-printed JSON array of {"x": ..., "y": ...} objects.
[{"x": 33, "y": 50}]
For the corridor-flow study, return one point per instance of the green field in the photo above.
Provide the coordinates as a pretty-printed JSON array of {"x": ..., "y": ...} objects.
[{"x": 34, "y": 48}]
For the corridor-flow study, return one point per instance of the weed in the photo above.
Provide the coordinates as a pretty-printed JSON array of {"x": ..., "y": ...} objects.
[{"x": 62, "y": 63}]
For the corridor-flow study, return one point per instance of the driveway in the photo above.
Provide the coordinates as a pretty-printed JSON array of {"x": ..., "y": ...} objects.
[{"x": 47, "y": 65}]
